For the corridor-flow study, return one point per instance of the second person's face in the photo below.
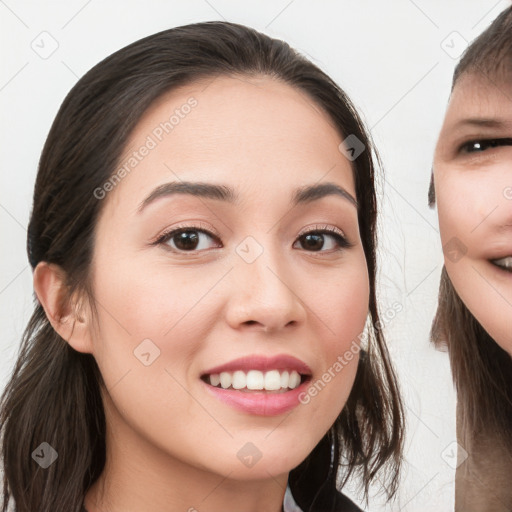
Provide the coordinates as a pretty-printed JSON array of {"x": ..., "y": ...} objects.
[{"x": 473, "y": 185}]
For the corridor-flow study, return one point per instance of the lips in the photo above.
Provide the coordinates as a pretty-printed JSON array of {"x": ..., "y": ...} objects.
[
  {"x": 253, "y": 373},
  {"x": 259, "y": 385},
  {"x": 263, "y": 364},
  {"x": 503, "y": 263}
]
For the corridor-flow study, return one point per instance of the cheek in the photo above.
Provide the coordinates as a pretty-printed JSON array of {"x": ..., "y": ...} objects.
[
  {"x": 347, "y": 306},
  {"x": 463, "y": 205},
  {"x": 455, "y": 218},
  {"x": 338, "y": 301},
  {"x": 469, "y": 212},
  {"x": 151, "y": 327},
  {"x": 152, "y": 301},
  {"x": 467, "y": 203},
  {"x": 144, "y": 310},
  {"x": 345, "y": 310}
]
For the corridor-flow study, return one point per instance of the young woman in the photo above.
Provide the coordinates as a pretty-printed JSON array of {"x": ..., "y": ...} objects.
[
  {"x": 203, "y": 245},
  {"x": 472, "y": 185}
]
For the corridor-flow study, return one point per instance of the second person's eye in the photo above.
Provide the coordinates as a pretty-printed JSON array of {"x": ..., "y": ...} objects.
[{"x": 475, "y": 146}]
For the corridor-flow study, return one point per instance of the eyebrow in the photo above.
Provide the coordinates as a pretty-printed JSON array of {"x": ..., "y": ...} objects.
[
  {"x": 225, "y": 193},
  {"x": 481, "y": 123}
]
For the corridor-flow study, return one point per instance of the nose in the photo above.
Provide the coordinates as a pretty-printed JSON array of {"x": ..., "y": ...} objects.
[{"x": 265, "y": 295}]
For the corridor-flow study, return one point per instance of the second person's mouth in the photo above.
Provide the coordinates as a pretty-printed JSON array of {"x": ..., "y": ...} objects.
[{"x": 503, "y": 263}]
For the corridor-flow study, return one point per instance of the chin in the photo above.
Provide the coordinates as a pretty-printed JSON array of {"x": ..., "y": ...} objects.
[{"x": 267, "y": 461}]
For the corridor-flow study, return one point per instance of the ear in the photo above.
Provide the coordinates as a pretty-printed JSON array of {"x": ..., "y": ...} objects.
[{"x": 67, "y": 316}]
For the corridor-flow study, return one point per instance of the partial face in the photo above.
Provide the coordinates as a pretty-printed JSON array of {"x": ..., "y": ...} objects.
[
  {"x": 473, "y": 184},
  {"x": 219, "y": 309}
]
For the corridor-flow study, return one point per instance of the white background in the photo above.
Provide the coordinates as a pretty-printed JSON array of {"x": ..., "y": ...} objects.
[{"x": 394, "y": 59}]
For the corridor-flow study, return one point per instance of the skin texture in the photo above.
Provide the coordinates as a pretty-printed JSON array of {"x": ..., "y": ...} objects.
[
  {"x": 171, "y": 445},
  {"x": 474, "y": 200}
]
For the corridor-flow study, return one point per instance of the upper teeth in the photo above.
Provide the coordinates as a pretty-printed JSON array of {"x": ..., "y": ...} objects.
[
  {"x": 504, "y": 262},
  {"x": 254, "y": 379}
]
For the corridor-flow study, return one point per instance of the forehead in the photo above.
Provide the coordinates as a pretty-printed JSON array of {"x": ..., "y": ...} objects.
[
  {"x": 477, "y": 95},
  {"x": 234, "y": 110},
  {"x": 246, "y": 130}
]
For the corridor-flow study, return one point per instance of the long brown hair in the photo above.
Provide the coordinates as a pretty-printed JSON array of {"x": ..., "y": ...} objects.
[
  {"x": 53, "y": 394},
  {"x": 481, "y": 369}
]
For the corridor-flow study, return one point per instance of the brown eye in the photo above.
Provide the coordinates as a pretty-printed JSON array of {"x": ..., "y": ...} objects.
[
  {"x": 313, "y": 241},
  {"x": 316, "y": 240},
  {"x": 187, "y": 239}
]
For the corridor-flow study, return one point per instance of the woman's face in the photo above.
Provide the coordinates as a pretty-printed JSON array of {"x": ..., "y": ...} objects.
[
  {"x": 473, "y": 185},
  {"x": 243, "y": 295}
]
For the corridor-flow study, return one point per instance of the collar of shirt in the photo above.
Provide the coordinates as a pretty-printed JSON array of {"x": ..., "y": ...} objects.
[{"x": 289, "y": 504}]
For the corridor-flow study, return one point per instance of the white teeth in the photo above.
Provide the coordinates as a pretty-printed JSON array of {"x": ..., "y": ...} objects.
[
  {"x": 255, "y": 380},
  {"x": 504, "y": 262},
  {"x": 239, "y": 380},
  {"x": 294, "y": 380},
  {"x": 273, "y": 380},
  {"x": 225, "y": 379}
]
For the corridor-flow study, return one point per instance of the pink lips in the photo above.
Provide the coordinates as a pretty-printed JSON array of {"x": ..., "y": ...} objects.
[
  {"x": 262, "y": 403},
  {"x": 262, "y": 363}
]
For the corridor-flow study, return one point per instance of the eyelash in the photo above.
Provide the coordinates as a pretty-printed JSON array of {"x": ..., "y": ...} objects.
[
  {"x": 342, "y": 241},
  {"x": 486, "y": 143}
]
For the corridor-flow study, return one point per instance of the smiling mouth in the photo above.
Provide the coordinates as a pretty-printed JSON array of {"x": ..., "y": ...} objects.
[
  {"x": 272, "y": 381},
  {"x": 503, "y": 263}
]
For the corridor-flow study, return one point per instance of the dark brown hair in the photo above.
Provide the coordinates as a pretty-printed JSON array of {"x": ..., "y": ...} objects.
[
  {"x": 482, "y": 370},
  {"x": 490, "y": 54},
  {"x": 54, "y": 392}
]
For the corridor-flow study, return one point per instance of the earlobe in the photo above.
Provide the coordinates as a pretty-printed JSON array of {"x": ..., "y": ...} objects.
[{"x": 65, "y": 315}]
